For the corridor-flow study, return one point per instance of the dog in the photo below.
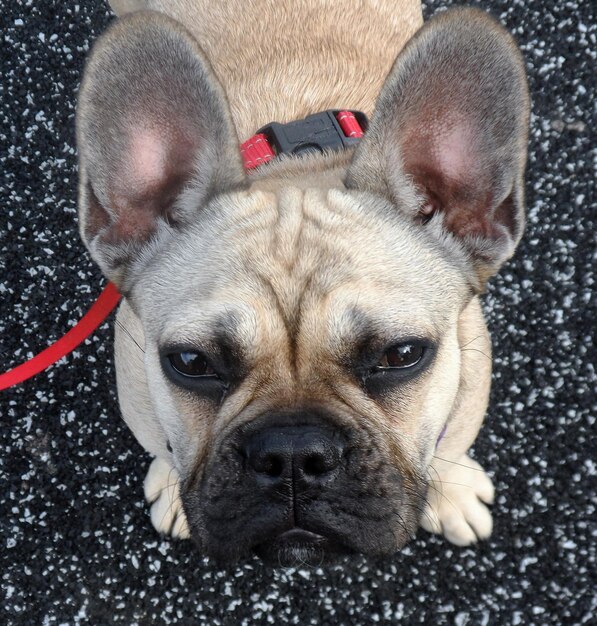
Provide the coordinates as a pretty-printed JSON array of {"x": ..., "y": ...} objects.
[{"x": 301, "y": 345}]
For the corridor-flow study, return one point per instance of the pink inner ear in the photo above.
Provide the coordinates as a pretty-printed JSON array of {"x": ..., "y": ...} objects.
[
  {"x": 158, "y": 162},
  {"x": 444, "y": 160},
  {"x": 141, "y": 178},
  {"x": 148, "y": 160},
  {"x": 453, "y": 152}
]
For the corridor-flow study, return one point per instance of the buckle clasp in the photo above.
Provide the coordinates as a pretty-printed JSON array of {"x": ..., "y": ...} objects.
[{"x": 316, "y": 132}]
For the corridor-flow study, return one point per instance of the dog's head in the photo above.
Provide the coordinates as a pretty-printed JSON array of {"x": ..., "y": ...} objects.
[{"x": 301, "y": 325}]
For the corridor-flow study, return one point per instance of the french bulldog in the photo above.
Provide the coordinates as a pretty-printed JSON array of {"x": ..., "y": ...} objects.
[{"x": 301, "y": 346}]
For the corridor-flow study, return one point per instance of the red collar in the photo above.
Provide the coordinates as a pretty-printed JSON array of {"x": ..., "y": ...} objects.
[{"x": 328, "y": 130}]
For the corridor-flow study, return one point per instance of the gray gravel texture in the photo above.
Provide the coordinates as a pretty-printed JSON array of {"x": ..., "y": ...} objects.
[{"x": 77, "y": 546}]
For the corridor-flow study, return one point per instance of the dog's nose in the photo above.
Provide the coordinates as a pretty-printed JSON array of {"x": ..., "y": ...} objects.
[{"x": 309, "y": 456}]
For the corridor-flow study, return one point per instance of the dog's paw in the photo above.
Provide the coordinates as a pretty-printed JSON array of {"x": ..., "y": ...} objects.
[
  {"x": 458, "y": 493},
  {"x": 162, "y": 492}
]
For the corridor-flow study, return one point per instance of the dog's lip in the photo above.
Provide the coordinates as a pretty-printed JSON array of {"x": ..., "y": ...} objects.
[
  {"x": 300, "y": 535},
  {"x": 316, "y": 548}
]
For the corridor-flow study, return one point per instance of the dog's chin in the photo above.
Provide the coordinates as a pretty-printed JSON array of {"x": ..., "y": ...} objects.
[{"x": 298, "y": 547}]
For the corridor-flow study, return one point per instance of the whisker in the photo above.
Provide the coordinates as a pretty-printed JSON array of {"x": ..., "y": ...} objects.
[
  {"x": 436, "y": 481},
  {"x": 475, "y": 469},
  {"x": 442, "y": 494},
  {"x": 125, "y": 329},
  {"x": 446, "y": 482},
  {"x": 170, "y": 486},
  {"x": 422, "y": 510},
  {"x": 475, "y": 350},
  {"x": 423, "y": 513},
  {"x": 471, "y": 341}
]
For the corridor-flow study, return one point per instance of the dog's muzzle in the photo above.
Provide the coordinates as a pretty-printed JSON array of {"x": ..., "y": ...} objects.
[
  {"x": 298, "y": 488},
  {"x": 289, "y": 464}
]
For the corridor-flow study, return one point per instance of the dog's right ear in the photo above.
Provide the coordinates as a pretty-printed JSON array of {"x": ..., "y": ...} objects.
[
  {"x": 447, "y": 142},
  {"x": 155, "y": 140}
]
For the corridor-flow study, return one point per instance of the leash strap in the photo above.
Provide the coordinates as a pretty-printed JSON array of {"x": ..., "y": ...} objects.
[{"x": 100, "y": 310}]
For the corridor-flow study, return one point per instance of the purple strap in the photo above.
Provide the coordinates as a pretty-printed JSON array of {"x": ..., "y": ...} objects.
[{"x": 441, "y": 435}]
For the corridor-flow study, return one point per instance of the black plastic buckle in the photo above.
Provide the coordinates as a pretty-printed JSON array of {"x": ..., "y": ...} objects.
[{"x": 314, "y": 133}]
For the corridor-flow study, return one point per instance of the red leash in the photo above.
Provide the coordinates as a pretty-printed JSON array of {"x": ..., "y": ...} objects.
[{"x": 100, "y": 310}]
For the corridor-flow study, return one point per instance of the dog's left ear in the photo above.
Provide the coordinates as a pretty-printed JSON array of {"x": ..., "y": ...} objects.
[
  {"x": 156, "y": 142},
  {"x": 448, "y": 137}
]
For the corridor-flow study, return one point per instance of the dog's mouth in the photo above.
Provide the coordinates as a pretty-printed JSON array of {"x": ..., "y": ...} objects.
[
  {"x": 300, "y": 490},
  {"x": 298, "y": 546}
]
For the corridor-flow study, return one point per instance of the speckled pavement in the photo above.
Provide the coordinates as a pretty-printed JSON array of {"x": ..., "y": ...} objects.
[{"x": 77, "y": 546}]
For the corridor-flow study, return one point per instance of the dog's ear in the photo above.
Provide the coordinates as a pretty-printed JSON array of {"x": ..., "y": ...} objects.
[
  {"x": 447, "y": 141},
  {"x": 155, "y": 139}
]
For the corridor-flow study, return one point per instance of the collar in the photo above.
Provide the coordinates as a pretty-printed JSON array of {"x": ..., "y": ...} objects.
[{"x": 328, "y": 130}]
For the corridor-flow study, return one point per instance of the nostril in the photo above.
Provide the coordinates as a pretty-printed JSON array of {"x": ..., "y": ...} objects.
[
  {"x": 271, "y": 465},
  {"x": 315, "y": 464}
]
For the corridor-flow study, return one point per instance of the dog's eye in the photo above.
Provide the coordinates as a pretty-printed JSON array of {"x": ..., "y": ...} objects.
[
  {"x": 194, "y": 371},
  {"x": 402, "y": 356},
  {"x": 398, "y": 364},
  {"x": 191, "y": 364}
]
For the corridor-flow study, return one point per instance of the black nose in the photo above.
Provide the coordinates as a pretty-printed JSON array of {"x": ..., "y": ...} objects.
[{"x": 309, "y": 456}]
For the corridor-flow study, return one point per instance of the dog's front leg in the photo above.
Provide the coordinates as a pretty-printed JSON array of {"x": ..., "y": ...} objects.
[
  {"x": 459, "y": 488},
  {"x": 162, "y": 491}
]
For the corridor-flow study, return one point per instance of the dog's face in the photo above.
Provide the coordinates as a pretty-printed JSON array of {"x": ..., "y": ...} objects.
[
  {"x": 302, "y": 380},
  {"x": 301, "y": 327}
]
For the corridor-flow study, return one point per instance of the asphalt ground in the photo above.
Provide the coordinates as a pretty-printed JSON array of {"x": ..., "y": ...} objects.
[{"x": 76, "y": 543}]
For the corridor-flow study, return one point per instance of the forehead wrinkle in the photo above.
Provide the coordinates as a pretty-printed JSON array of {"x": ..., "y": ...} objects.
[
  {"x": 287, "y": 230},
  {"x": 291, "y": 254},
  {"x": 294, "y": 258}
]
